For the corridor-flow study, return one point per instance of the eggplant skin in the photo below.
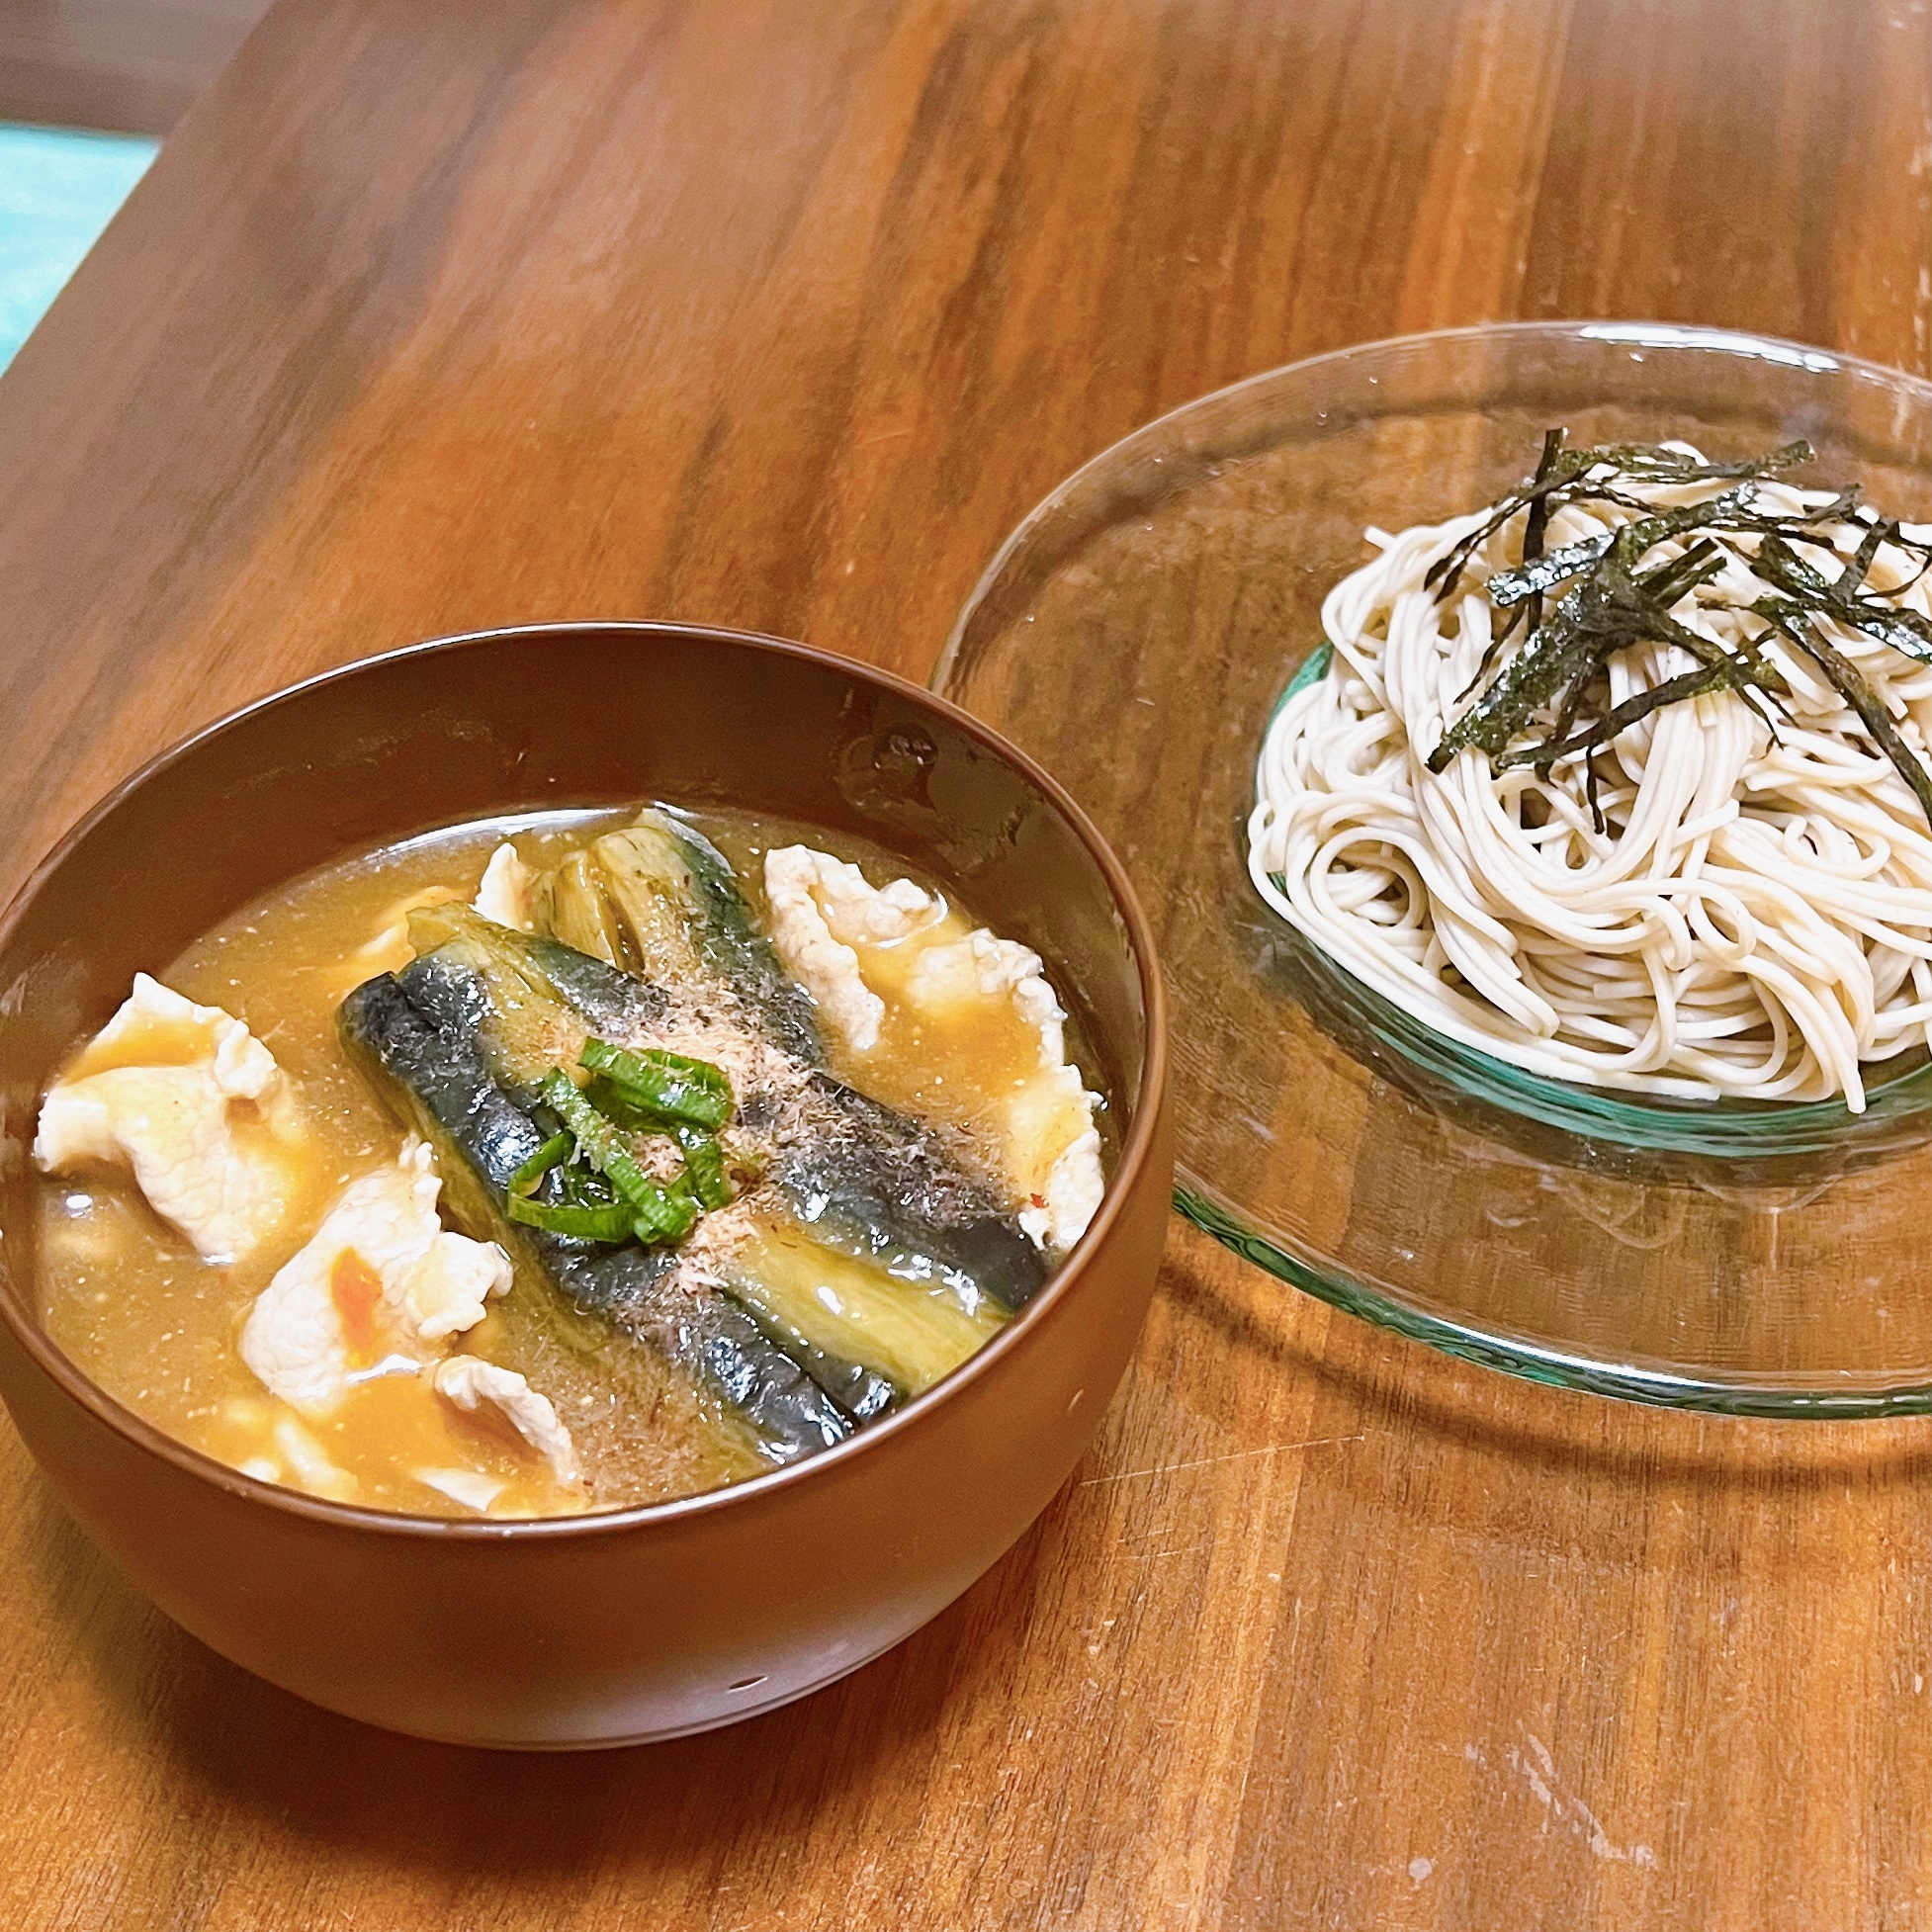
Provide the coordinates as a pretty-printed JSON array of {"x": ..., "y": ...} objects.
[
  {"x": 867, "y": 1180},
  {"x": 737, "y": 952},
  {"x": 876, "y": 1183},
  {"x": 612, "y": 1002},
  {"x": 863, "y": 1393},
  {"x": 433, "y": 1058},
  {"x": 793, "y": 1415},
  {"x": 433, "y": 1066}
]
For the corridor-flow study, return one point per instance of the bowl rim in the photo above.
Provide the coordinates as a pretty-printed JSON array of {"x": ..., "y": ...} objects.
[{"x": 1136, "y": 1148}]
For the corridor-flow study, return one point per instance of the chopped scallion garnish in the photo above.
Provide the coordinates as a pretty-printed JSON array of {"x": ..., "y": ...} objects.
[
  {"x": 553, "y": 1153},
  {"x": 599, "y": 1142},
  {"x": 614, "y": 1223},
  {"x": 669, "y": 1084},
  {"x": 704, "y": 1168}
]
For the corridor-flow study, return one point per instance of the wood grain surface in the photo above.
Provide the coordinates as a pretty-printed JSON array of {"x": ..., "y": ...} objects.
[{"x": 779, "y": 314}]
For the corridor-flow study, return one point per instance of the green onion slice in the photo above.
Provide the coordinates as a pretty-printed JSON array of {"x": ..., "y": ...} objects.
[
  {"x": 651, "y": 1211},
  {"x": 584, "y": 1186},
  {"x": 669, "y": 1216},
  {"x": 557, "y": 1148},
  {"x": 614, "y": 1223},
  {"x": 621, "y": 1110},
  {"x": 599, "y": 1142},
  {"x": 704, "y": 1168},
  {"x": 670, "y": 1084}
]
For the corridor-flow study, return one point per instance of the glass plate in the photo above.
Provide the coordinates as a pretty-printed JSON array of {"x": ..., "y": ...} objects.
[{"x": 1136, "y": 633}]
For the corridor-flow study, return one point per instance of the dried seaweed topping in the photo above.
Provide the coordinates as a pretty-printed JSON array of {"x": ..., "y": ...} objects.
[
  {"x": 1905, "y": 631},
  {"x": 1792, "y": 622},
  {"x": 1725, "y": 672},
  {"x": 1611, "y": 604},
  {"x": 1612, "y": 608},
  {"x": 1569, "y": 476}
]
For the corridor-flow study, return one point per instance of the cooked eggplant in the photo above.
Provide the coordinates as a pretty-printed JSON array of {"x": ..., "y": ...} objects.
[
  {"x": 854, "y": 1311},
  {"x": 423, "y": 1030},
  {"x": 880, "y": 1261},
  {"x": 659, "y": 899},
  {"x": 868, "y": 1181},
  {"x": 531, "y": 1001},
  {"x": 882, "y": 1188},
  {"x": 866, "y": 1260}
]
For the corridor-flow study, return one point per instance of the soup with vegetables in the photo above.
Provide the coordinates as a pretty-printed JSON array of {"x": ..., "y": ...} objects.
[{"x": 566, "y": 1163}]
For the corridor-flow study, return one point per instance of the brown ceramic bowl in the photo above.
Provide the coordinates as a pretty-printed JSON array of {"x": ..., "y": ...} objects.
[{"x": 640, "y": 1624}]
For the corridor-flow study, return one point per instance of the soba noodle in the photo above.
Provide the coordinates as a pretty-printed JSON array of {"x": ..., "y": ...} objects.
[{"x": 1755, "y": 916}]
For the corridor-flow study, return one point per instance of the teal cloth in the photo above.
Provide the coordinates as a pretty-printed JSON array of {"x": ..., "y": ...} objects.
[{"x": 58, "y": 189}]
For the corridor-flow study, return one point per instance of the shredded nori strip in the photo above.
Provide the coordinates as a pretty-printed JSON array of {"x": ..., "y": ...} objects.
[
  {"x": 1563, "y": 476},
  {"x": 1532, "y": 535},
  {"x": 1790, "y": 621},
  {"x": 1611, "y": 609},
  {"x": 1724, "y": 673},
  {"x": 1905, "y": 631},
  {"x": 1612, "y": 604}
]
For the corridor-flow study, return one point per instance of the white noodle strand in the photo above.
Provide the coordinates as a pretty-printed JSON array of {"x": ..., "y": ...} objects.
[{"x": 1755, "y": 919}]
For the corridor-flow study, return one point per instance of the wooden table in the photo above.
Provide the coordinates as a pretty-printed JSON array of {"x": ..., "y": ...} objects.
[{"x": 779, "y": 314}]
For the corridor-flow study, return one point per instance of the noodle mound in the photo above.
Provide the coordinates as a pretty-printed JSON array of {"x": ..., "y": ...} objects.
[{"x": 1753, "y": 919}]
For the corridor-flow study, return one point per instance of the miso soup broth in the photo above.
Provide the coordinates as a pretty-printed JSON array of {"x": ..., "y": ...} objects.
[{"x": 564, "y": 1163}]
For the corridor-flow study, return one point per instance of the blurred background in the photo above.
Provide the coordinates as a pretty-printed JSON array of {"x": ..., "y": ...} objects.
[{"x": 87, "y": 89}]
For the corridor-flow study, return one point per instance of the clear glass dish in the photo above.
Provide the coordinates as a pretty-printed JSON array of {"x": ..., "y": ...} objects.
[{"x": 1135, "y": 635}]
